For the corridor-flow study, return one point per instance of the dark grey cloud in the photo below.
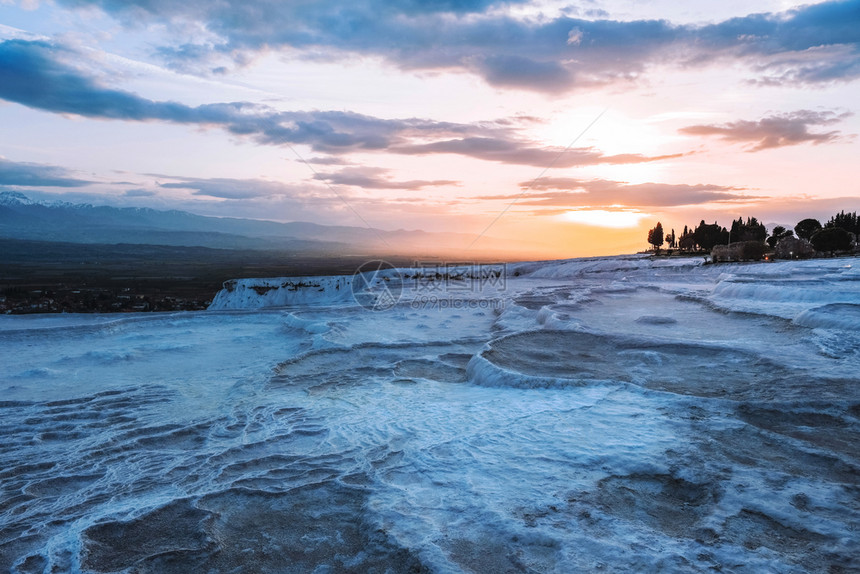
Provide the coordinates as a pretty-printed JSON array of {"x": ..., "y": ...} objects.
[
  {"x": 812, "y": 44},
  {"x": 774, "y": 131},
  {"x": 514, "y": 71},
  {"x": 33, "y": 73},
  {"x": 36, "y": 74},
  {"x": 246, "y": 13},
  {"x": 572, "y": 192},
  {"x": 377, "y": 178},
  {"x": 543, "y": 54},
  {"x": 36, "y": 175}
]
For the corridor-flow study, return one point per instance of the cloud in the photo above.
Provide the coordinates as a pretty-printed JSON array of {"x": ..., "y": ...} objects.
[
  {"x": 36, "y": 74},
  {"x": 515, "y": 152},
  {"x": 564, "y": 192},
  {"x": 818, "y": 43},
  {"x": 541, "y": 54},
  {"x": 377, "y": 178},
  {"x": 325, "y": 160},
  {"x": 774, "y": 131},
  {"x": 33, "y": 73},
  {"x": 228, "y": 188},
  {"x": 272, "y": 200},
  {"x": 139, "y": 192},
  {"x": 574, "y": 37},
  {"x": 36, "y": 175},
  {"x": 815, "y": 65},
  {"x": 514, "y": 71}
]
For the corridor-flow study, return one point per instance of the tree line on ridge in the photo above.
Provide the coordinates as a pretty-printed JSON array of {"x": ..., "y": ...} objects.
[{"x": 749, "y": 239}]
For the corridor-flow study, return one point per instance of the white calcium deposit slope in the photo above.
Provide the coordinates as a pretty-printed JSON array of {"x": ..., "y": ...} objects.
[{"x": 608, "y": 414}]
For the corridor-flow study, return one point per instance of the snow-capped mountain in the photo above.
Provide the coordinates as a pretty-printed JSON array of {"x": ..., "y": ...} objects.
[{"x": 14, "y": 198}]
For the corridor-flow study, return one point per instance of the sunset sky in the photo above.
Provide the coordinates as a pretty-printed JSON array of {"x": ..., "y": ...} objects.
[{"x": 572, "y": 127}]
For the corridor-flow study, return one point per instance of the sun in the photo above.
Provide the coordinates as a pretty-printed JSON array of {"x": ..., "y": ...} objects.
[{"x": 615, "y": 219}]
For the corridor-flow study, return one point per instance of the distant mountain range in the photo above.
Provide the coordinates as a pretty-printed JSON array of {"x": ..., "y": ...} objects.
[{"x": 23, "y": 218}]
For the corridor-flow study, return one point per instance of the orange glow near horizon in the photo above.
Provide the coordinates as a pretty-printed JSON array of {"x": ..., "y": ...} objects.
[
  {"x": 615, "y": 219},
  {"x": 528, "y": 236},
  {"x": 574, "y": 155}
]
